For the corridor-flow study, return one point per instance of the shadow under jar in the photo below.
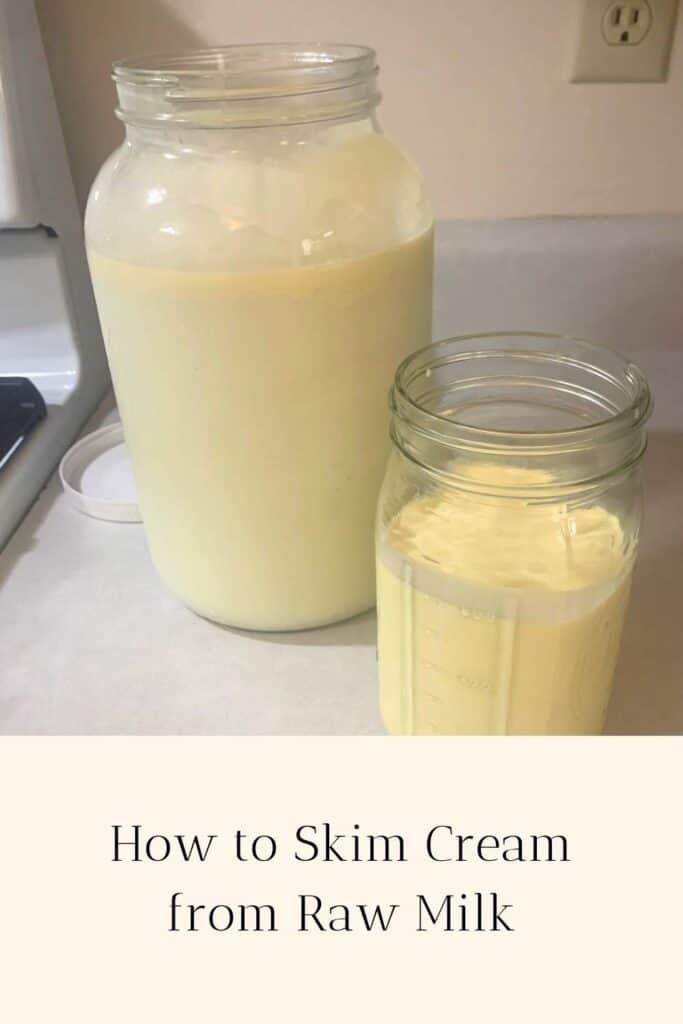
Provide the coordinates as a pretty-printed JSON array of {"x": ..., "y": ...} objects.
[
  {"x": 262, "y": 259},
  {"x": 507, "y": 531}
]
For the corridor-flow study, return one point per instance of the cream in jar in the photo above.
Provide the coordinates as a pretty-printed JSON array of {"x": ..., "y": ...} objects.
[
  {"x": 507, "y": 532},
  {"x": 499, "y": 617}
]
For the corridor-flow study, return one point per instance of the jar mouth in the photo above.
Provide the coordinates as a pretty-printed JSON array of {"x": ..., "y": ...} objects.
[
  {"x": 182, "y": 86},
  {"x": 527, "y": 395}
]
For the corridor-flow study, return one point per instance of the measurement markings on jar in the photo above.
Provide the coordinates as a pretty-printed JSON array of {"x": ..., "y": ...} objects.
[
  {"x": 476, "y": 613},
  {"x": 449, "y": 677}
]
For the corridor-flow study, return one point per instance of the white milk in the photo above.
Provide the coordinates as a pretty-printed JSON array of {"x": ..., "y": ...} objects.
[
  {"x": 254, "y": 404},
  {"x": 499, "y": 617}
]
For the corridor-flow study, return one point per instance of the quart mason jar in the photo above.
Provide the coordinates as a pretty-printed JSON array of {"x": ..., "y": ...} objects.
[
  {"x": 507, "y": 531},
  {"x": 262, "y": 259}
]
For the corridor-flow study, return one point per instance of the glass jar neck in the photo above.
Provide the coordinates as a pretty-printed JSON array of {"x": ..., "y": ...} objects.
[
  {"x": 248, "y": 87},
  {"x": 524, "y": 415}
]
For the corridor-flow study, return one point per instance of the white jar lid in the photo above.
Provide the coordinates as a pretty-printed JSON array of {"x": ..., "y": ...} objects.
[{"x": 97, "y": 476}]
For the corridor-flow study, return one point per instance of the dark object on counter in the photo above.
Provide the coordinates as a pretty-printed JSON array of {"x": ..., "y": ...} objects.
[{"x": 21, "y": 407}]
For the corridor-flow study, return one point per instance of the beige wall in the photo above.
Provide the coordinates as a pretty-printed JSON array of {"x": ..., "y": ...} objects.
[{"x": 475, "y": 90}]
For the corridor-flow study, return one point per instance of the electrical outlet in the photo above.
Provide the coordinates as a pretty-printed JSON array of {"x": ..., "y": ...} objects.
[
  {"x": 624, "y": 42},
  {"x": 626, "y": 24}
]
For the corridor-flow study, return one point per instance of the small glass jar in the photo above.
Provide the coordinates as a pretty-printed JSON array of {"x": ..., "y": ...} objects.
[
  {"x": 507, "y": 531},
  {"x": 262, "y": 258}
]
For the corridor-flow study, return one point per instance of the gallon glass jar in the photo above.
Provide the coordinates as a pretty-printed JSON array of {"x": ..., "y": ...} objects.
[
  {"x": 507, "y": 531},
  {"x": 262, "y": 258}
]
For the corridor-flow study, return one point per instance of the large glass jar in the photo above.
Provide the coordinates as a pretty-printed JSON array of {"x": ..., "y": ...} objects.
[
  {"x": 262, "y": 259},
  {"x": 507, "y": 531}
]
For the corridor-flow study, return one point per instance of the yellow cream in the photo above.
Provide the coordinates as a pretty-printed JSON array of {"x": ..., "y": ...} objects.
[{"x": 498, "y": 616}]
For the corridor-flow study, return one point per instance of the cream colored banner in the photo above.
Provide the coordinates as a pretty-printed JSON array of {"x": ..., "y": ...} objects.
[{"x": 530, "y": 880}]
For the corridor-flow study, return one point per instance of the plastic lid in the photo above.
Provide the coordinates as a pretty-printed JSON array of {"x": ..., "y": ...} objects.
[{"x": 97, "y": 477}]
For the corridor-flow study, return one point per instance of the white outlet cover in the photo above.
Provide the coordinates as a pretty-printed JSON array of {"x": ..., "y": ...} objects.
[{"x": 601, "y": 55}]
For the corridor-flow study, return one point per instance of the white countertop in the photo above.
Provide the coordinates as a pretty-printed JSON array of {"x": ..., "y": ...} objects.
[
  {"x": 92, "y": 643},
  {"x": 97, "y": 645}
]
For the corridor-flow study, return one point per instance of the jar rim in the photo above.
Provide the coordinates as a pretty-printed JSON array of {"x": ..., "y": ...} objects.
[
  {"x": 254, "y": 85},
  {"x": 258, "y": 69},
  {"x": 557, "y": 349}
]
